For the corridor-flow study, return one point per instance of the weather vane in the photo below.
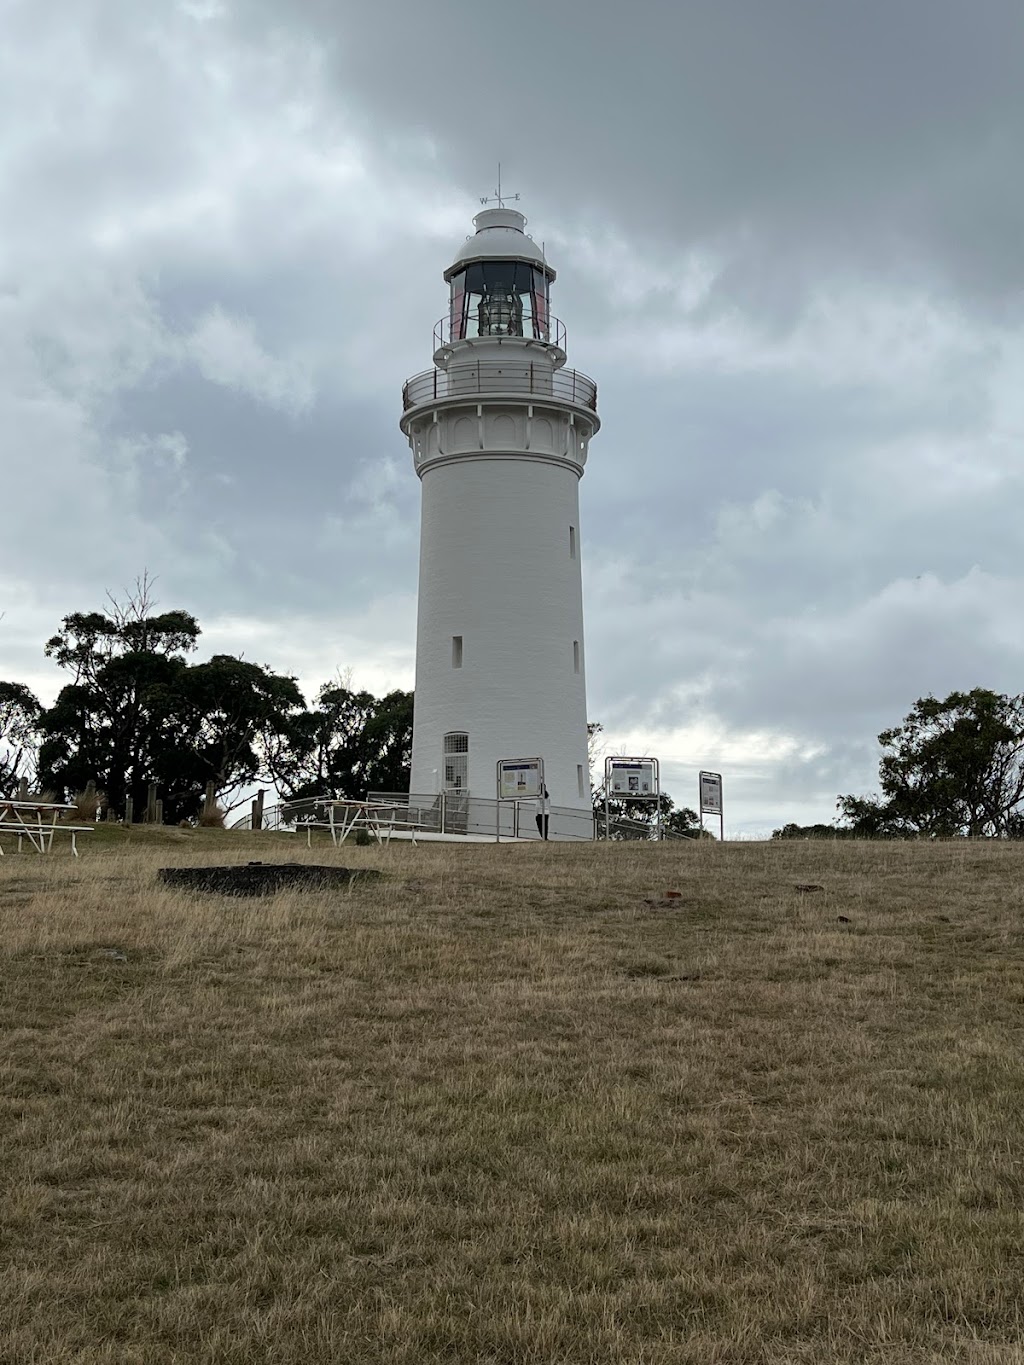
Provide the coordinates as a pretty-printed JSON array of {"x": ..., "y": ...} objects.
[{"x": 498, "y": 197}]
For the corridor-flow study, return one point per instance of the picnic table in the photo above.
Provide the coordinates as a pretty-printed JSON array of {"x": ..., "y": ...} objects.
[
  {"x": 343, "y": 816},
  {"x": 38, "y": 822}
]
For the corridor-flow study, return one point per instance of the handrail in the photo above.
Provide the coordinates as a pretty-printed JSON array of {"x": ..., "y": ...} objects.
[
  {"x": 458, "y": 812},
  {"x": 551, "y": 331},
  {"x": 501, "y": 377}
]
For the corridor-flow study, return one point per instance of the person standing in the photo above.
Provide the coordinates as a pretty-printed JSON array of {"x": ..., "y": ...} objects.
[{"x": 543, "y": 812}]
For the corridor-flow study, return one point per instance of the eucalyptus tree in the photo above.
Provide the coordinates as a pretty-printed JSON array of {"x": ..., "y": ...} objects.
[{"x": 953, "y": 767}]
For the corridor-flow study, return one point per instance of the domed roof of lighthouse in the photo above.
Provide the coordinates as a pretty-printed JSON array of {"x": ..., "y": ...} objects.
[{"x": 500, "y": 236}]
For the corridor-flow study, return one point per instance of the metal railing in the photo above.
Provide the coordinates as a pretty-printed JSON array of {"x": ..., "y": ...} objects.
[
  {"x": 640, "y": 831},
  {"x": 289, "y": 815},
  {"x": 456, "y": 813},
  {"x": 453, "y": 812},
  {"x": 500, "y": 377},
  {"x": 551, "y": 331}
]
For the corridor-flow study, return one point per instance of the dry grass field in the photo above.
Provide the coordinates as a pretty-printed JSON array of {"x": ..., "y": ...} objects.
[{"x": 499, "y": 1109}]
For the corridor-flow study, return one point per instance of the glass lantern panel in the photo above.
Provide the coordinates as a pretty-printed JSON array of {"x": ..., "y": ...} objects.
[{"x": 500, "y": 298}]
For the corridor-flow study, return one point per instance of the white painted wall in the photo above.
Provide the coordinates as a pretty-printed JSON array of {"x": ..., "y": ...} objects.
[{"x": 496, "y": 568}]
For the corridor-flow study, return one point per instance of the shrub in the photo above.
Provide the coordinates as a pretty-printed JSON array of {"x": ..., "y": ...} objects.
[{"x": 211, "y": 817}]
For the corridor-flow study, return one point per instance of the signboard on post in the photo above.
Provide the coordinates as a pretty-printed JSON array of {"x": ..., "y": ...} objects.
[
  {"x": 711, "y": 799},
  {"x": 631, "y": 779},
  {"x": 635, "y": 779},
  {"x": 519, "y": 779}
]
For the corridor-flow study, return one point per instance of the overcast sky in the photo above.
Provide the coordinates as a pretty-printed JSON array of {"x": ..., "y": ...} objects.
[{"x": 788, "y": 236}]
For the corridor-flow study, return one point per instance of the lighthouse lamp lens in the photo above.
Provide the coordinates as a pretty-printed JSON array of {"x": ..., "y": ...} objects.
[{"x": 501, "y": 314}]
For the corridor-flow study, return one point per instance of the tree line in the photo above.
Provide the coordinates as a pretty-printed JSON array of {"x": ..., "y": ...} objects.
[
  {"x": 136, "y": 709},
  {"x": 953, "y": 768}
]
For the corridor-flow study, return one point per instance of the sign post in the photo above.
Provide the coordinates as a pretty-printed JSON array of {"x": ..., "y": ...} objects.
[
  {"x": 632, "y": 779},
  {"x": 711, "y": 800},
  {"x": 519, "y": 779}
]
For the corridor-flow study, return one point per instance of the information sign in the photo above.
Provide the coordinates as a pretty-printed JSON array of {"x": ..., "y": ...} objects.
[
  {"x": 711, "y": 793},
  {"x": 711, "y": 800},
  {"x": 633, "y": 778},
  {"x": 520, "y": 778}
]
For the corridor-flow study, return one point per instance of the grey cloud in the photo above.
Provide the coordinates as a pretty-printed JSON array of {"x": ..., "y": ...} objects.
[
  {"x": 787, "y": 239},
  {"x": 790, "y": 137}
]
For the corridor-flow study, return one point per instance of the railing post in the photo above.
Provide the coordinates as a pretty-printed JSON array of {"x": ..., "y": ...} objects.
[{"x": 442, "y": 811}]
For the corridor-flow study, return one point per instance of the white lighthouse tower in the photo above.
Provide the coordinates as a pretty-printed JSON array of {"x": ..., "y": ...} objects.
[{"x": 499, "y": 431}]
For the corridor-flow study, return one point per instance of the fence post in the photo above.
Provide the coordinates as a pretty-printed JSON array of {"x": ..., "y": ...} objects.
[
  {"x": 442, "y": 810},
  {"x": 210, "y": 798},
  {"x": 151, "y": 804},
  {"x": 23, "y": 789},
  {"x": 158, "y": 812},
  {"x": 257, "y": 811},
  {"x": 129, "y": 810}
]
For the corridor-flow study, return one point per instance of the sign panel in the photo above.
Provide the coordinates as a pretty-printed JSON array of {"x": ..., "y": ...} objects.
[
  {"x": 711, "y": 793},
  {"x": 520, "y": 778},
  {"x": 633, "y": 777}
]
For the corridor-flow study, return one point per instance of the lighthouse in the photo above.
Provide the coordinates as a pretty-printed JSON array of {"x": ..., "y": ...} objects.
[{"x": 499, "y": 430}]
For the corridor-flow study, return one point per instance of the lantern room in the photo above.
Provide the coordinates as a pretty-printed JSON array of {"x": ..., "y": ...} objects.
[{"x": 500, "y": 282}]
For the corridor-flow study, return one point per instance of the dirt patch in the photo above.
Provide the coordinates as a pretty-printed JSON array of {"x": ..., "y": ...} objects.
[{"x": 264, "y": 879}]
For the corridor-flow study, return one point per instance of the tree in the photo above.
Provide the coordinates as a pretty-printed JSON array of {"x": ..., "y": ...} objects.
[
  {"x": 220, "y": 721},
  {"x": 346, "y": 744},
  {"x": 137, "y": 712},
  {"x": 385, "y": 762},
  {"x": 595, "y": 748},
  {"x": 109, "y": 721},
  {"x": 639, "y": 819},
  {"x": 794, "y": 831},
  {"x": 19, "y": 736},
  {"x": 684, "y": 820},
  {"x": 953, "y": 767}
]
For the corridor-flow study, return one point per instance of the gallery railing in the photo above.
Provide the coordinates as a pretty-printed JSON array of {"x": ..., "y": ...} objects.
[
  {"x": 549, "y": 330},
  {"x": 503, "y": 378}
]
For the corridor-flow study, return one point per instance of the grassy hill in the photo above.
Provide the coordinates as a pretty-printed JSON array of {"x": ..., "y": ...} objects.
[{"x": 511, "y": 1105}]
